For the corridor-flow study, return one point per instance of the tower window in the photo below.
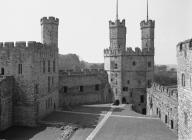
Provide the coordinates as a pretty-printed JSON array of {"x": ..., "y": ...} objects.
[
  {"x": 49, "y": 68},
  {"x": 128, "y": 82},
  {"x": 97, "y": 87},
  {"x": 185, "y": 119},
  {"x": 65, "y": 89},
  {"x": 81, "y": 88},
  {"x": 53, "y": 65},
  {"x": 43, "y": 66},
  {"x": 142, "y": 98},
  {"x": 19, "y": 68},
  {"x": 149, "y": 83},
  {"x": 36, "y": 88},
  {"x": 183, "y": 80},
  {"x": 134, "y": 63},
  {"x": 125, "y": 88},
  {"x": 115, "y": 67},
  {"x": 49, "y": 81},
  {"x": 131, "y": 94},
  {"x": 149, "y": 64}
]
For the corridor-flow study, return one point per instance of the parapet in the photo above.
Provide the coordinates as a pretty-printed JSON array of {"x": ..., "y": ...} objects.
[
  {"x": 128, "y": 52},
  {"x": 184, "y": 45},
  {"x": 170, "y": 91},
  {"x": 147, "y": 24},
  {"x": 49, "y": 20},
  {"x": 117, "y": 23}
]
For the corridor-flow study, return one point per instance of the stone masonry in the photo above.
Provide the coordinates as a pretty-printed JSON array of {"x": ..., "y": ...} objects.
[
  {"x": 184, "y": 78},
  {"x": 34, "y": 67},
  {"x": 83, "y": 87},
  {"x": 129, "y": 71},
  {"x": 162, "y": 101}
]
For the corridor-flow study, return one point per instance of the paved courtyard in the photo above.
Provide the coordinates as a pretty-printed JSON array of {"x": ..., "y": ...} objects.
[{"x": 98, "y": 122}]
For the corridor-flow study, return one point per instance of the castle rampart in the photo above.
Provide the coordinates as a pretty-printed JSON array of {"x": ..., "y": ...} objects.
[{"x": 162, "y": 101}]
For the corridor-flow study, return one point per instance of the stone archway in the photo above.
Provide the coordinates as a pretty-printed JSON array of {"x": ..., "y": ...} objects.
[{"x": 124, "y": 100}]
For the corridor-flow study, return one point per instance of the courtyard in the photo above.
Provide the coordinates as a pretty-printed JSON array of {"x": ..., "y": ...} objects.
[{"x": 97, "y": 122}]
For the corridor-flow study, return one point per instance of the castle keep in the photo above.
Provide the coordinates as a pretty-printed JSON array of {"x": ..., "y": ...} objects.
[
  {"x": 31, "y": 70},
  {"x": 184, "y": 78},
  {"x": 129, "y": 71}
]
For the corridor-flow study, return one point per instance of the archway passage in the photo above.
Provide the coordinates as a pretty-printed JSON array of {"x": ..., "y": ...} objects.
[{"x": 124, "y": 100}]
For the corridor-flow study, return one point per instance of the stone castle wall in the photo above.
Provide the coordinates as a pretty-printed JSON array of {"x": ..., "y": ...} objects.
[
  {"x": 162, "y": 101},
  {"x": 184, "y": 78},
  {"x": 34, "y": 67},
  {"x": 6, "y": 102},
  {"x": 83, "y": 87}
]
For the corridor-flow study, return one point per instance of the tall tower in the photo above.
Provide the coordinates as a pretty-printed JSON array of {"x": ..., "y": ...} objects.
[
  {"x": 147, "y": 32},
  {"x": 49, "y": 31}
]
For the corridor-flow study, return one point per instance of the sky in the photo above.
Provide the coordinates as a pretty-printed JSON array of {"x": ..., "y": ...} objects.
[{"x": 84, "y": 24}]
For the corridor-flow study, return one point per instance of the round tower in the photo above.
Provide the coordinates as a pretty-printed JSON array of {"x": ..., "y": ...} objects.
[{"x": 49, "y": 31}]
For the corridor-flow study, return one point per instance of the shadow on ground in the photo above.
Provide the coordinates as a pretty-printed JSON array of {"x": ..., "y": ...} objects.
[
  {"x": 21, "y": 133},
  {"x": 81, "y": 120}
]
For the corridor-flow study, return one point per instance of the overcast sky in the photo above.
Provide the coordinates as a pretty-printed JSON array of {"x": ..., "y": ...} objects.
[{"x": 84, "y": 27}]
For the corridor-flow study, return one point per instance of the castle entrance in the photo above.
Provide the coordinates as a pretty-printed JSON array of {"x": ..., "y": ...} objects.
[{"x": 124, "y": 100}]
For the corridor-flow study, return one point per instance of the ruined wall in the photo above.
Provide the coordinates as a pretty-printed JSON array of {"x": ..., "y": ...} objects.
[
  {"x": 6, "y": 102},
  {"x": 162, "y": 101},
  {"x": 184, "y": 80},
  {"x": 85, "y": 87}
]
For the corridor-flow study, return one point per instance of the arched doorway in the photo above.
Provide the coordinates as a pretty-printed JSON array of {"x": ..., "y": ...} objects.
[
  {"x": 124, "y": 100},
  {"x": 116, "y": 102},
  {"x": 144, "y": 111}
]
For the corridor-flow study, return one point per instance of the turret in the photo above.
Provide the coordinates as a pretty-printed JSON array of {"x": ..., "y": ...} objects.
[
  {"x": 147, "y": 34},
  {"x": 49, "y": 31}
]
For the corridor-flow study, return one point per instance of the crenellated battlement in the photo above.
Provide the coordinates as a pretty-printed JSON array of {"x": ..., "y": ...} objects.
[
  {"x": 184, "y": 46},
  {"x": 129, "y": 51},
  {"x": 49, "y": 20},
  {"x": 117, "y": 23},
  {"x": 22, "y": 45},
  {"x": 170, "y": 91},
  {"x": 147, "y": 24}
]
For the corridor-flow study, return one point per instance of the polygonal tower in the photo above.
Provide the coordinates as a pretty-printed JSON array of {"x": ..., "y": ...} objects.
[
  {"x": 49, "y": 31},
  {"x": 147, "y": 33}
]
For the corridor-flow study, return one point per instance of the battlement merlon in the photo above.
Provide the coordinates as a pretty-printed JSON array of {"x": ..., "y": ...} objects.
[
  {"x": 117, "y": 23},
  {"x": 147, "y": 24},
  {"x": 50, "y": 20}
]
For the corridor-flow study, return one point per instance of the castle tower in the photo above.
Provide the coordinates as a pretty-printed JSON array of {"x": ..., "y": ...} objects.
[
  {"x": 49, "y": 31},
  {"x": 147, "y": 32}
]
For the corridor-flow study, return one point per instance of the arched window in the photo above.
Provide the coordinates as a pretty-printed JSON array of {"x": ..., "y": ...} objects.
[{"x": 183, "y": 80}]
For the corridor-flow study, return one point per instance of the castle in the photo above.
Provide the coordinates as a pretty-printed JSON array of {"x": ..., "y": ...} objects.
[
  {"x": 129, "y": 71},
  {"x": 30, "y": 70}
]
